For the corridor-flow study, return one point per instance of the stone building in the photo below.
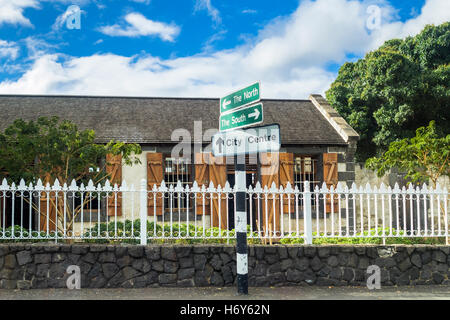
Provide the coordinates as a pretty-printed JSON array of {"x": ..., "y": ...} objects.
[{"x": 317, "y": 144}]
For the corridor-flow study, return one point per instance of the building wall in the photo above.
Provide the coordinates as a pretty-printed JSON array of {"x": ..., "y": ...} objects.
[
  {"x": 364, "y": 176},
  {"x": 133, "y": 175},
  {"x": 346, "y": 164}
]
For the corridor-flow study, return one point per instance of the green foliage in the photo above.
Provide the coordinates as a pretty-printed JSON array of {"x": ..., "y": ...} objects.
[
  {"x": 30, "y": 149},
  {"x": 179, "y": 233},
  {"x": 395, "y": 89},
  {"x": 423, "y": 157},
  {"x": 23, "y": 234},
  {"x": 56, "y": 149},
  {"x": 366, "y": 238}
]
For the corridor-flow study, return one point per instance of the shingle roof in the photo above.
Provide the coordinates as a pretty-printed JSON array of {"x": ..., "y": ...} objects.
[{"x": 152, "y": 120}]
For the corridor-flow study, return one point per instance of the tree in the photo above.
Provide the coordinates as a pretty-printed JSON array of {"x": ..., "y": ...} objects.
[
  {"x": 396, "y": 89},
  {"x": 51, "y": 149},
  {"x": 423, "y": 157}
]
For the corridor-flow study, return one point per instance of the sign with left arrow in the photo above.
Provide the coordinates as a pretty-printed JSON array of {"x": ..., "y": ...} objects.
[
  {"x": 242, "y": 118},
  {"x": 240, "y": 98}
]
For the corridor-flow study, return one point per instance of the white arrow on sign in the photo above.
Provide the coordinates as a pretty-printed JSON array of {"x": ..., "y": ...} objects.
[
  {"x": 248, "y": 141},
  {"x": 254, "y": 114},
  {"x": 225, "y": 104}
]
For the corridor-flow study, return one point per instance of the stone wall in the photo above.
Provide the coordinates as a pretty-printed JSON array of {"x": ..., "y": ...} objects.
[
  {"x": 364, "y": 176},
  {"x": 26, "y": 266}
]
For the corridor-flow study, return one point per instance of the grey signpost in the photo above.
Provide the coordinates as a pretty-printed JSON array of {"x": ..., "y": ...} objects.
[
  {"x": 239, "y": 110},
  {"x": 238, "y": 143}
]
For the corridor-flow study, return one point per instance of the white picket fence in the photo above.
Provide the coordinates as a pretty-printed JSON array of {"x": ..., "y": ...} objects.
[{"x": 55, "y": 212}]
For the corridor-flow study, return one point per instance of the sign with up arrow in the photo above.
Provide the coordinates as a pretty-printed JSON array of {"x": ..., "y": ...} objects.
[
  {"x": 248, "y": 141},
  {"x": 241, "y": 118}
]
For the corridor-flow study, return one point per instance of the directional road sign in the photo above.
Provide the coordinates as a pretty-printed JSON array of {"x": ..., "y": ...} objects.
[
  {"x": 240, "y": 98},
  {"x": 251, "y": 140},
  {"x": 242, "y": 118}
]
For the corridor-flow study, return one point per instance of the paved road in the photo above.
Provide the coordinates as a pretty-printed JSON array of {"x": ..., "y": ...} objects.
[{"x": 229, "y": 293}]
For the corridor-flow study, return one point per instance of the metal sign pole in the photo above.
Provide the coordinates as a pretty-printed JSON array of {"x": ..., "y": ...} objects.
[
  {"x": 235, "y": 114},
  {"x": 241, "y": 224}
]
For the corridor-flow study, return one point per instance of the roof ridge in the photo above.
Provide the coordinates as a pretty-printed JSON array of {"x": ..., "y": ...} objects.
[{"x": 129, "y": 97}]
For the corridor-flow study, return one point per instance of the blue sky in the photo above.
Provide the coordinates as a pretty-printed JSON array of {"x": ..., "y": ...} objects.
[{"x": 195, "y": 47}]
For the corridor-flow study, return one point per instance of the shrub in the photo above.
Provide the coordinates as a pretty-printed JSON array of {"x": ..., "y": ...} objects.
[
  {"x": 365, "y": 238},
  {"x": 23, "y": 235},
  {"x": 179, "y": 233}
]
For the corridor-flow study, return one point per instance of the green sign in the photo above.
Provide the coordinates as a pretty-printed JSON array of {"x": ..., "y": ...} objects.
[
  {"x": 241, "y": 118},
  {"x": 240, "y": 98}
]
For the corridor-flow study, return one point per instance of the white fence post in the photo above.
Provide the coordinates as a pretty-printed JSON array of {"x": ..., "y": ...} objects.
[
  {"x": 307, "y": 213},
  {"x": 446, "y": 216},
  {"x": 143, "y": 211}
]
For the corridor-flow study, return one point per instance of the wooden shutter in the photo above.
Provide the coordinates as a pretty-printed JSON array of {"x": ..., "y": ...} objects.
[
  {"x": 155, "y": 175},
  {"x": 287, "y": 175},
  {"x": 114, "y": 170},
  {"x": 270, "y": 174},
  {"x": 218, "y": 176},
  {"x": 330, "y": 176},
  {"x": 51, "y": 206},
  {"x": 202, "y": 178}
]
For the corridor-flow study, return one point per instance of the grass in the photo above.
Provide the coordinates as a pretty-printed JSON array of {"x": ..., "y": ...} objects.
[{"x": 191, "y": 234}]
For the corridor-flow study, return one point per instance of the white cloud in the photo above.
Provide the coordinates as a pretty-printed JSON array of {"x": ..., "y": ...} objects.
[
  {"x": 212, "y": 11},
  {"x": 11, "y": 11},
  {"x": 141, "y": 26},
  {"x": 8, "y": 49},
  {"x": 433, "y": 12},
  {"x": 218, "y": 36},
  {"x": 289, "y": 56},
  {"x": 38, "y": 47}
]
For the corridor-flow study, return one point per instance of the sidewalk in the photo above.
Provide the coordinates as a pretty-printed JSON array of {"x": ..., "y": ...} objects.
[{"x": 229, "y": 293}]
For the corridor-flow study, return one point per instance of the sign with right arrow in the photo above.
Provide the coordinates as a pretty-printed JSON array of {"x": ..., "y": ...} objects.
[{"x": 241, "y": 118}]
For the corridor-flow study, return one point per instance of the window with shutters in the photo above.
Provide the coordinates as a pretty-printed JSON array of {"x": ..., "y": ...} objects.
[
  {"x": 177, "y": 169},
  {"x": 305, "y": 169}
]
